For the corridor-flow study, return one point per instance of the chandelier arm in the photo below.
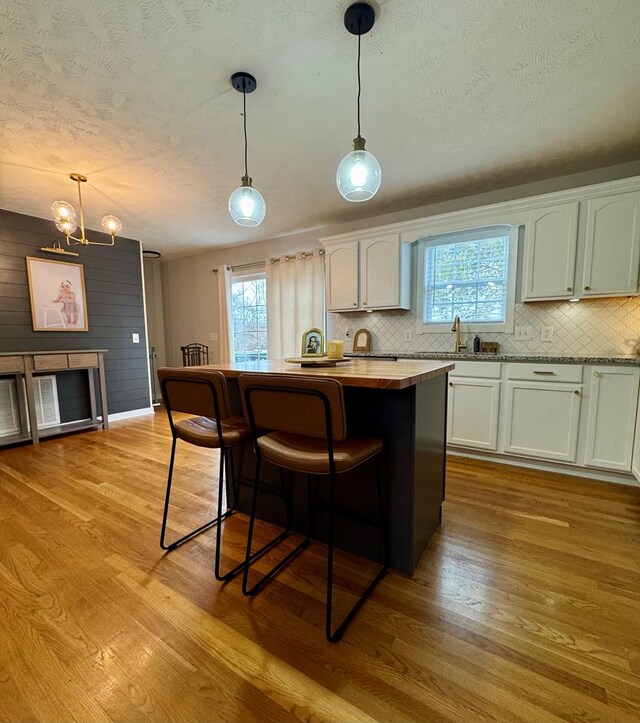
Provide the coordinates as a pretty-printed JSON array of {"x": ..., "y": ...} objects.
[{"x": 78, "y": 181}]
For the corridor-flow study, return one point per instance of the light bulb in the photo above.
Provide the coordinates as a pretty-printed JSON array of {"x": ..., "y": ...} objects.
[
  {"x": 66, "y": 226},
  {"x": 246, "y": 205},
  {"x": 359, "y": 174},
  {"x": 112, "y": 225},
  {"x": 63, "y": 211}
]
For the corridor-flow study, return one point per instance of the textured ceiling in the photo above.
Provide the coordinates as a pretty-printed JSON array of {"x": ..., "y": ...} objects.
[{"x": 459, "y": 96}]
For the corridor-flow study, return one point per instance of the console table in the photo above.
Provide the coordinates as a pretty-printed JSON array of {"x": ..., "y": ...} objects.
[{"x": 32, "y": 363}]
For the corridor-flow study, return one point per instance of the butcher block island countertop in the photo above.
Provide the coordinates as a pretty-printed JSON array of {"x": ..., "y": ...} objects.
[
  {"x": 403, "y": 402},
  {"x": 377, "y": 374}
]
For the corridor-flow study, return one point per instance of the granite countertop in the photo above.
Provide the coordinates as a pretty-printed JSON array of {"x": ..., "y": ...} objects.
[{"x": 629, "y": 359}]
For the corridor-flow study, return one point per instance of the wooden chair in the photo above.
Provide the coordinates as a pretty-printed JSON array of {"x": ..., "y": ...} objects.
[
  {"x": 308, "y": 434},
  {"x": 204, "y": 394},
  {"x": 194, "y": 355}
]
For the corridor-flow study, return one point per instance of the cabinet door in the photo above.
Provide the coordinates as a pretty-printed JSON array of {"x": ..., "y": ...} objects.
[
  {"x": 472, "y": 415},
  {"x": 380, "y": 272},
  {"x": 551, "y": 235},
  {"x": 541, "y": 420},
  {"x": 612, "y": 245},
  {"x": 342, "y": 276},
  {"x": 613, "y": 399},
  {"x": 635, "y": 460}
]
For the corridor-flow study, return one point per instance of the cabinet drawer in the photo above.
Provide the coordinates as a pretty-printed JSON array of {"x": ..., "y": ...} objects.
[
  {"x": 50, "y": 361},
  {"x": 475, "y": 369},
  {"x": 11, "y": 364},
  {"x": 80, "y": 361},
  {"x": 545, "y": 372}
]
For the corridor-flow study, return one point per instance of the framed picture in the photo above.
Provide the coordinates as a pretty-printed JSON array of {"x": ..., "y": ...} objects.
[
  {"x": 313, "y": 343},
  {"x": 362, "y": 340},
  {"x": 56, "y": 291}
]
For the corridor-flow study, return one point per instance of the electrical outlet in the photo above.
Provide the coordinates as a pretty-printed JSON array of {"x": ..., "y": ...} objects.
[
  {"x": 408, "y": 335},
  {"x": 213, "y": 336},
  {"x": 135, "y": 338},
  {"x": 523, "y": 333},
  {"x": 546, "y": 333}
]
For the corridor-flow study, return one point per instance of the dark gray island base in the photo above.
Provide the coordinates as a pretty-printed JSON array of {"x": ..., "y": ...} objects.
[{"x": 405, "y": 404}]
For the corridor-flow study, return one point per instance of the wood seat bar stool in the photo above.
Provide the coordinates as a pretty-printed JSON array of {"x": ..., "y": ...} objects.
[
  {"x": 204, "y": 394},
  {"x": 308, "y": 434}
]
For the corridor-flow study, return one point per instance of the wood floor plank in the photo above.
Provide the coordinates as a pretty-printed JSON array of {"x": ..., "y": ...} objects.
[{"x": 525, "y": 607}]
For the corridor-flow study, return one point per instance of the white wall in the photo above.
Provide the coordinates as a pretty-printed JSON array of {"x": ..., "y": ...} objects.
[
  {"x": 155, "y": 316},
  {"x": 189, "y": 286}
]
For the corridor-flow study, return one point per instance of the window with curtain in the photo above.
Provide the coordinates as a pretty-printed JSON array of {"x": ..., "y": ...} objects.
[
  {"x": 471, "y": 275},
  {"x": 249, "y": 311}
]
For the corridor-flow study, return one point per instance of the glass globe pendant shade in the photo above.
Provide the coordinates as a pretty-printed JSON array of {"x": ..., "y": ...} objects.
[
  {"x": 112, "y": 225},
  {"x": 66, "y": 226},
  {"x": 246, "y": 205},
  {"x": 63, "y": 211},
  {"x": 359, "y": 174}
]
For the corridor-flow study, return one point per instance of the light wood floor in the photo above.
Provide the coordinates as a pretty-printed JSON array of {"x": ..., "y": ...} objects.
[{"x": 526, "y": 606}]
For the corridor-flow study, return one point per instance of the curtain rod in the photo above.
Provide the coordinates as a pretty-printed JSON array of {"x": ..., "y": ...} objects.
[{"x": 256, "y": 264}]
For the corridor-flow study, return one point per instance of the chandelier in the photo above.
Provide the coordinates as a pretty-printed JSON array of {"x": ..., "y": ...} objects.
[{"x": 65, "y": 217}]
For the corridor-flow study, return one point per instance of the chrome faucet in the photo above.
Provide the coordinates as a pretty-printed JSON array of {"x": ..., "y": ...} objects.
[{"x": 456, "y": 327}]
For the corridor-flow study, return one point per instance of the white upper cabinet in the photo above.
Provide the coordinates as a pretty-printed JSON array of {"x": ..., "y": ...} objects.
[
  {"x": 381, "y": 273},
  {"x": 373, "y": 273},
  {"x": 341, "y": 269},
  {"x": 612, "y": 245},
  {"x": 613, "y": 398},
  {"x": 551, "y": 235}
]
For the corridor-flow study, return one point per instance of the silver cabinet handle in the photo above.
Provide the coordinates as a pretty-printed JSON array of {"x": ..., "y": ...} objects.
[
  {"x": 587, "y": 288},
  {"x": 577, "y": 392},
  {"x": 569, "y": 288},
  {"x": 550, "y": 374}
]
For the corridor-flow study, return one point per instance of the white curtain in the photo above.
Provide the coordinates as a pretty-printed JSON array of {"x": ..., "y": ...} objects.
[
  {"x": 225, "y": 317},
  {"x": 295, "y": 301}
]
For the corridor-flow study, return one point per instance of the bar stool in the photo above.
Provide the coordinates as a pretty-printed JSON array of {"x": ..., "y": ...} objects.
[
  {"x": 204, "y": 393},
  {"x": 308, "y": 434}
]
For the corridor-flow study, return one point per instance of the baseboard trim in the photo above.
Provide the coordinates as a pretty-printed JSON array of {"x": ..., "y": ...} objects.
[
  {"x": 598, "y": 475},
  {"x": 118, "y": 416}
]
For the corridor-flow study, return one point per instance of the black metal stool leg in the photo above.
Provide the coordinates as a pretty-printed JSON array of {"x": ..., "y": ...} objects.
[
  {"x": 334, "y": 637},
  {"x": 267, "y": 577},
  {"x": 193, "y": 533}
]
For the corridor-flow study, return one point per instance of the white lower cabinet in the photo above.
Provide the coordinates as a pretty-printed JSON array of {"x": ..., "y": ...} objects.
[
  {"x": 611, "y": 422},
  {"x": 635, "y": 460},
  {"x": 473, "y": 412},
  {"x": 541, "y": 420}
]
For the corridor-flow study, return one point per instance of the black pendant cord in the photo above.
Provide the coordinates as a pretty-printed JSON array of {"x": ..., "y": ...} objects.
[
  {"x": 244, "y": 116},
  {"x": 359, "y": 83}
]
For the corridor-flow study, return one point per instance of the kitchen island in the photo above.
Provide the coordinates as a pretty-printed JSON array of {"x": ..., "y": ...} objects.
[{"x": 405, "y": 403}]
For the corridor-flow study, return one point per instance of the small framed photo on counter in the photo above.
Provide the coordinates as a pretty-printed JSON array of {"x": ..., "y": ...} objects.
[
  {"x": 313, "y": 343},
  {"x": 362, "y": 340}
]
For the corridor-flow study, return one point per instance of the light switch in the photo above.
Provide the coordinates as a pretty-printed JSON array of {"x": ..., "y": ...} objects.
[
  {"x": 213, "y": 336},
  {"x": 523, "y": 333},
  {"x": 135, "y": 338}
]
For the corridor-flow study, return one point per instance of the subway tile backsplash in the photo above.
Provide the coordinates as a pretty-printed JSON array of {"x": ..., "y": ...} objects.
[{"x": 587, "y": 328}]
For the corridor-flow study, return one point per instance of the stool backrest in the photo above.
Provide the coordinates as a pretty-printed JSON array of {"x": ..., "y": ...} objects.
[
  {"x": 299, "y": 405},
  {"x": 201, "y": 393}
]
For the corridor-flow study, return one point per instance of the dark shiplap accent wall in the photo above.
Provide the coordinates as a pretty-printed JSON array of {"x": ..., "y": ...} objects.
[{"x": 115, "y": 308}]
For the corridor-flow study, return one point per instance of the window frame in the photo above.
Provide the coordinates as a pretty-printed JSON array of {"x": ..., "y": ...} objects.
[
  {"x": 239, "y": 276},
  {"x": 469, "y": 234}
]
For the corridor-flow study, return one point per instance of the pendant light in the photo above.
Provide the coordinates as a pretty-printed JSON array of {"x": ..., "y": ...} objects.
[
  {"x": 246, "y": 204},
  {"x": 358, "y": 176}
]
